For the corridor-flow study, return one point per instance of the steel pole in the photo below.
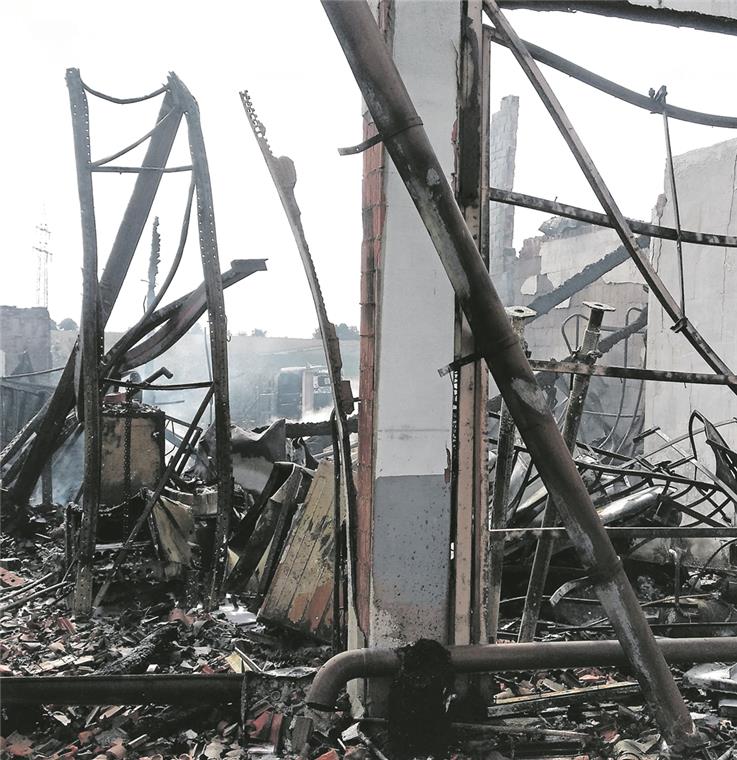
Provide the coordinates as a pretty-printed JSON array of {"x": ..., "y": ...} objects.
[
  {"x": 502, "y": 477},
  {"x": 408, "y": 145},
  {"x": 546, "y": 541},
  {"x": 91, "y": 348}
]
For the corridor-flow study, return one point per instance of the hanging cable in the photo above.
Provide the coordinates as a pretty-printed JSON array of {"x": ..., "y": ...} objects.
[{"x": 659, "y": 97}]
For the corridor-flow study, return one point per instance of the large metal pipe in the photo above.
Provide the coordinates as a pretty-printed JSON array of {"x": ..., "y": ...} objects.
[
  {"x": 488, "y": 658},
  {"x": 406, "y": 141},
  {"x": 179, "y": 689}
]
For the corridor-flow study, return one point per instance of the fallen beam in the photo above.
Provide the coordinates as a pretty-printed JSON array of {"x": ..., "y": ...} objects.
[{"x": 602, "y": 220}]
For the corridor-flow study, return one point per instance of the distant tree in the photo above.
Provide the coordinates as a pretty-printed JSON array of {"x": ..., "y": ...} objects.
[
  {"x": 343, "y": 331},
  {"x": 347, "y": 332},
  {"x": 68, "y": 324},
  {"x": 257, "y": 332}
]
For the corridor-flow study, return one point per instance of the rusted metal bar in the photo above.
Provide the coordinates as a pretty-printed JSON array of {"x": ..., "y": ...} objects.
[
  {"x": 469, "y": 485},
  {"x": 54, "y": 414},
  {"x": 32, "y": 374},
  {"x": 602, "y": 220},
  {"x": 91, "y": 348},
  {"x": 623, "y": 93},
  {"x": 142, "y": 169},
  {"x": 544, "y": 303},
  {"x": 124, "y": 101},
  {"x": 489, "y": 658},
  {"x": 708, "y": 22},
  {"x": 217, "y": 321},
  {"x": 174, "y": 319},
  {"x": 284, "y": 175},
  {"x": 659, "y": 97},
  {"x": 631, "y": 373},
  {"x": 500, "y": 496},
  {"x": 546, "y": 377},
  {"x": 576, "y": 400},
  {"x": 152, "y": 387},
  {"x": 340, "y": 627},
  {"x": 406, "y": 141},
  {"x": 153, "y": 498},
  {"x": 135, "y": 144},
  {"x": 641, "y": 260},
  {"x": 616, "y": 531}
]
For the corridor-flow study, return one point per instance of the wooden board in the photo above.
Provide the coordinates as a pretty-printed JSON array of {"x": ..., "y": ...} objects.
[{"x": 300, "y": 595}]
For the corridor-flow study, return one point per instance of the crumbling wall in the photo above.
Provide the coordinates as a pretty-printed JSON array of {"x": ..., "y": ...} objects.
[
  {"x": 502, "y": 152},
  {"x": 24, "y": 330},
  {"x": 548, "y": 261}
]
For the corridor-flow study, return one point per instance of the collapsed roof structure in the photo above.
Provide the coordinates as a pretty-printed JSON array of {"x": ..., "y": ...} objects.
[{"x": 461, "y": 498}]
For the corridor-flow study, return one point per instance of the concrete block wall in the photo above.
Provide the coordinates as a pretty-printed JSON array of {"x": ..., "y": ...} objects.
[
  {"x": 710, "y": 277},
  {"x": 706, "y": 185}
]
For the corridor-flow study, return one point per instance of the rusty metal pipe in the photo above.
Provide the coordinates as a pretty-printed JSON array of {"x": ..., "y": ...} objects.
[
  {"x": 488, "y": 658},
  {"x": 407, "y": 143}
]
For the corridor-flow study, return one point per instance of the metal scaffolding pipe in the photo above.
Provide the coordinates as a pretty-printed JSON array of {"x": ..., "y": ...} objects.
[
  {"x": 488, "y": 658},
  {"x": 406, "y": 141},
  {"x": 604, "y": 196},
  {"x": 602, "y": 220}
]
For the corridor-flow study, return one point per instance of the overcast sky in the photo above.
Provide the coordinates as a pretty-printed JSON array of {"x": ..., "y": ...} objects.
[{"x": 286, "y": 54}]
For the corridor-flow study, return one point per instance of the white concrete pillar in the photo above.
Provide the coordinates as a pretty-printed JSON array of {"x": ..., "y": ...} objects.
[{"x": 410, "y": 524}]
